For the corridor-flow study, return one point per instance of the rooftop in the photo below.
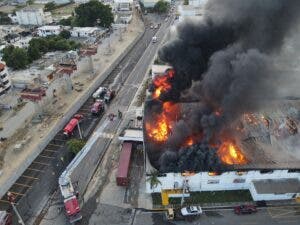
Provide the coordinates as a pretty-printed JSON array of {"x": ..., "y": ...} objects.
[
  {"x": 269, "y": 139},
  {"x": 277, "y": 186}
]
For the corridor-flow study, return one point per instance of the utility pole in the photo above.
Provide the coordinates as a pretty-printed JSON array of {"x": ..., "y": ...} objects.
[
  {"x": 11, "y": 198},
  {"x": 79, "y": 130}
]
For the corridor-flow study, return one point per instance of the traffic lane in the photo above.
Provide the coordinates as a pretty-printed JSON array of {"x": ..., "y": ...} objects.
[
  {"x": 143, "y": 64},
  {"x": 264, "y": 216}
]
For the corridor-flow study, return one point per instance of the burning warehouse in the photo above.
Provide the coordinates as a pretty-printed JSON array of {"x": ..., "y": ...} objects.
[{"x": 228, "y": 111}]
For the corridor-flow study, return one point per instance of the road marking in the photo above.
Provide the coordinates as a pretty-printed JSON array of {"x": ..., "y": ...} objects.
[
  {"x": 29, "y": 177},
  {"x": 23, "y": 185},
  {"x": 283, "y": 212},
  {"x": 35, "y": 170},
  {"x": 106, "y": 135}
]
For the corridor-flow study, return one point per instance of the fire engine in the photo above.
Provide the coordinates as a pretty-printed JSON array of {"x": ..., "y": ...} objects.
[
  {"x": 104, "y": 93},
  {"x": 71, "y": 202},
  {"x": 98, "y": 107},
  {"x": 5, "y": 218},
  {"x": 109, "y": 95},
  {"x": 69, "y": 128}
]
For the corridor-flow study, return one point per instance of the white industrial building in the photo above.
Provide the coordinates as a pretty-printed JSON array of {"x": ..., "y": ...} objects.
[
  {"x": 85, "y": 31},
  {"x": 285, "y": 183},
  {"x": 5, "y": 83},
  {"x": 267, "y": 141},
  {"x": 45, "y": 31},
  {"x": 33, "y": 16}
]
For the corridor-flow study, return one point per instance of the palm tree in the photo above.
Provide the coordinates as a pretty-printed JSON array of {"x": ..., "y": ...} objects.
[{"x": 153, "y": 179}]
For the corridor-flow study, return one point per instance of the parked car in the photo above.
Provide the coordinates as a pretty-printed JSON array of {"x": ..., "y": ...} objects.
[
  {"x": 245, "y": 209},
  {"x": 154, "y": 39},
  {"x": 191, "y": 211}
]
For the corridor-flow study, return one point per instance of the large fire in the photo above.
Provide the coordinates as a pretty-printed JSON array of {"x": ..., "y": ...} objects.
[
  {"x": 230, "y": 154},
  {"x": 162, "y": 84},
  {"x": 161, "y": 127}
]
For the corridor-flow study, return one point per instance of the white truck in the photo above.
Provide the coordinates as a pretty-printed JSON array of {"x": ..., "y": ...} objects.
[{"x": 154, "y": 39}]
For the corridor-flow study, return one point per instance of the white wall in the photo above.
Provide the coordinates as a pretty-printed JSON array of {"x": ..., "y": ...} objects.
[
  {"x": 268, "y": 197},
  {"x": 47, "y": 31},
  {"x": 32, "y": 17},
  {"x": 226, "y": 181}
]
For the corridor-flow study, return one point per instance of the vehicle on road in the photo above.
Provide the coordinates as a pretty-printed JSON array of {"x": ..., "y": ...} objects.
[
  {"x": 99, "y": 93},
  {"x": 191, "y": 211},
  {"x": 245, "y": 209},
  {"x": 154, "y": 39},
  {"x": 71, "y": 202},
  {"x": 109, "y": 95},
  {"x": 151, "y": 26},
  {"x": 70, "y": 127},
  {"x": 122, "y": 178},
  {"x": 156, "y": 26},
  {"x": 98, "y": 107},
  {"x": 5, "y": 218}
]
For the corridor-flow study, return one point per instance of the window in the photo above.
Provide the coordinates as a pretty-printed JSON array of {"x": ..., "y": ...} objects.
[
  {"x": 213, "y": 181},
  {"x": 238, "y": 181},
  {"x": 240, "y": 173},
  {"x": 266, "y": 171},
  {"x": 214, "y": 173},
  {"x": 294, "y": 171}
]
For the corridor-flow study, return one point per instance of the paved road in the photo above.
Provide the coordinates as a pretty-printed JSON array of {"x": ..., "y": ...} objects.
[
  {"x": 106, "y": 129},
  {"x": 288, "y": 215}
]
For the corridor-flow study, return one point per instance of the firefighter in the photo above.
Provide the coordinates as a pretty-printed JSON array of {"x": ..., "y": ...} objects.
[{"x": 119, "y": 114}]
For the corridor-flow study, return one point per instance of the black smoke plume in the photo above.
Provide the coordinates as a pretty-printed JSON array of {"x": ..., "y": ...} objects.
[{"x": 226, "y": 62}]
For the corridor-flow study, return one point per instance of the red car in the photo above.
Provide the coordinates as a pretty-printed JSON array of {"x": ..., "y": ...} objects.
[{"x": 245, "y": 209}]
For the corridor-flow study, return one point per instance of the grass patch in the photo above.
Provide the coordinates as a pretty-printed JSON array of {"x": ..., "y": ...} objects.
[{"x": 208, "y": 197}]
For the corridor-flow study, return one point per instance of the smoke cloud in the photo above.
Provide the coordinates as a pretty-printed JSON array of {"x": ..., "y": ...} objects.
[{"x": 227, "y": 62}]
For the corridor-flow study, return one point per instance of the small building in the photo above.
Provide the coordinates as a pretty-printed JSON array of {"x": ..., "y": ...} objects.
[
  {"x": 5, "y": 84},
  {"x": 45, "y": 31},
  {"x": 57, "y": 2},
  {"x": 33, "y": 16},
  {"x": 197, "y": 2},
  {"x": 85, "y": 31},
  {"x": 123, "y": 5},
  {"x": 189, "y": 12}
]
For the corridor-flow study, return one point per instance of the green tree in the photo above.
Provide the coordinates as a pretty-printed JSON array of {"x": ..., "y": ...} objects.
[
  {"x": 15, "y": 57},
  {"x": 65, "y": 34},
  {"x": 50, "y": 6},
  {"x": 153, "y": 179},
  {"x": 33, "y": 52},
  {"x": 4, "y": 19},
  {"x": 93, "y": 13},
  {"x": 186, "y": 2},
  {"x": 161, "y": 6},
  {"x": 67, "y": 22},
  {"x": 75, "y": 145}
]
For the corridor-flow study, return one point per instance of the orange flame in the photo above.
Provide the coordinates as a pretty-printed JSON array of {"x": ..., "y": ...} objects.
[
  {"x": 161, "y": 128},
  {"x": 162, "y": 84},
  {"x": 193, "y": 139},
  {"x": 230, "y": 154}
]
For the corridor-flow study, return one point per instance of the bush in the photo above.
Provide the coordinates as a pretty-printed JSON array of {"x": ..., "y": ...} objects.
[
  {"x": 65, "y": 34},
  {"x": 75, "y": 145}
]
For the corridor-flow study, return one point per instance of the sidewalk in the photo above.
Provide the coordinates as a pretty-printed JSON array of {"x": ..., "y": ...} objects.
[{"x": 40, "y": 133}]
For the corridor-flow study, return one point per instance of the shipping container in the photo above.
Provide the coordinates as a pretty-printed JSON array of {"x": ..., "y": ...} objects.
[{"x": 124, "y": 163}]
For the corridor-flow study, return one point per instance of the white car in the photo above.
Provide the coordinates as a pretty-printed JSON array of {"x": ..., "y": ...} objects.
[
  {"x": 154, "y": 39},
  {"x": 191, "y": 211}
]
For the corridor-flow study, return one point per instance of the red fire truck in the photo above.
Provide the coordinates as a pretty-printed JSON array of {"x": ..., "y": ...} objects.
[
  {"x": 71, "y": 202},
  {"x": 5, "y": 218},
  {"x": 69, "y": 128},
  {"x": 98, "y": 107}
]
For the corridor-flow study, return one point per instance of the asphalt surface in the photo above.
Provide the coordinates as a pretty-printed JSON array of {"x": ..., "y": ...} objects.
[
  {"x": 122, "y": 101},
  {"x": 288, "y": 215}
]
